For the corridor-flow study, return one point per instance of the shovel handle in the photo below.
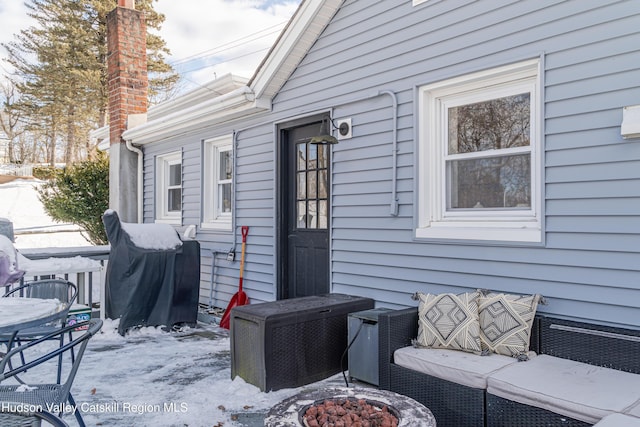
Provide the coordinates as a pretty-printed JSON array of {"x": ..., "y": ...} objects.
[{"x": 245, "y": 231}]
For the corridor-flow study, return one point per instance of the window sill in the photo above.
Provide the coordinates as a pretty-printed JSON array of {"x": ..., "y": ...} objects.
[
  {"x": 516, "y": 232},
  {"x": 216, "y": 226},
  {"x": 172, "y": 221}
]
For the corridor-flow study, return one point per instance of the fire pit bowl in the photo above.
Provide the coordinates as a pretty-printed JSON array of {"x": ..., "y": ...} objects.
[{"x": 290, "y": 412}]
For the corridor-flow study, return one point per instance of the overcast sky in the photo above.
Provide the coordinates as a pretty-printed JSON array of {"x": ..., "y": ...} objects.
[{"x": 207, "y": 38}]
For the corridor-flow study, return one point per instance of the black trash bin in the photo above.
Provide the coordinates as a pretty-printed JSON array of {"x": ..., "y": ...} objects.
[{"x": 153, "y": 277}]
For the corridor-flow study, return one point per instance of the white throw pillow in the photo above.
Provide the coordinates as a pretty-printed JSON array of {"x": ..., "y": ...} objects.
[{"x": 449, "y": 321}]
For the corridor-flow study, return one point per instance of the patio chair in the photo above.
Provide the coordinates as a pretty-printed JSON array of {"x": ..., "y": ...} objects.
[
  {"x": 12, "y": 415},
  {"x": 39, "y": 355},
  {"x": 60, "y": 289}
]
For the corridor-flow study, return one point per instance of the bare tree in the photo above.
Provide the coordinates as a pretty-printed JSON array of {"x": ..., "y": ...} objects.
[{"x": 10, "y": 122}]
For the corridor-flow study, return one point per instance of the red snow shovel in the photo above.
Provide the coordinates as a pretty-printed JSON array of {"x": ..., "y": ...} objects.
[{"x": 239, "y": 298}]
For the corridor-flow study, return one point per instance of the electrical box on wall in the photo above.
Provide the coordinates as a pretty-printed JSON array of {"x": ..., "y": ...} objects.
[
  {"x": 630, "y": 127},
  {"x": 344, "y": 128}
]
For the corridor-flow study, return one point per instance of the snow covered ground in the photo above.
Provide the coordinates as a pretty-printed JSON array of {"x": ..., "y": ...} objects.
[
  {"x": 156, "y": 378},
  {"x": 149, "y": 377},
  {"x": 20, "y": 204}
]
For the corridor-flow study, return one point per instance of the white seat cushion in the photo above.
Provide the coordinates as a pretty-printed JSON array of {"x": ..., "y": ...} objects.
[
  {"x": 456, "y": 366},
  {"x": 618, "y": 420},
  {"x": 576, "y": 390}
]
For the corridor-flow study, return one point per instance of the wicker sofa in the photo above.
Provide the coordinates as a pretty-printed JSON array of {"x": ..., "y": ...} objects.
[{"x": 593, "y": 370}]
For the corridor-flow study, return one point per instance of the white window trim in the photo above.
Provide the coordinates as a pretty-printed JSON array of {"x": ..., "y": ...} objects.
[
  {"x": 433, "y": 220},
  {"x": 212, "y": 219},
  {"x": 163, "y": 162}
]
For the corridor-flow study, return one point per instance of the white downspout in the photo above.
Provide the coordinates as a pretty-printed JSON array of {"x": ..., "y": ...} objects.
[
  {"x": 135, "y": 120},
  {"x": 234, "y": 175},
  {"x": 140, "y": 188}
]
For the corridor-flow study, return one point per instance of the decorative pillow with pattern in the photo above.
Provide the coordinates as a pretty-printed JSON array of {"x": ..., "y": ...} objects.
[
  {"x": 449, "y": 321},
  {"x": 506, "y": 321}
]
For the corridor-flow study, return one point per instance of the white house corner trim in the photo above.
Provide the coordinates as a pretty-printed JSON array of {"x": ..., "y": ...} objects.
[{"x": 305, "y": 27}]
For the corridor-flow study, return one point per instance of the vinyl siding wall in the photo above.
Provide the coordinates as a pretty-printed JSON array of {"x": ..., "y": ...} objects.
[{"x": 589, "y": 264}]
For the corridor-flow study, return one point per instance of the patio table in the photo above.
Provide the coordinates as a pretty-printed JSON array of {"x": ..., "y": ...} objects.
[{"x": 18, "y": 313}]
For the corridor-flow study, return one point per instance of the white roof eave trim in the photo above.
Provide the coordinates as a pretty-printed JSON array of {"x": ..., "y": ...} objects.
[
  {"x": 237, "y": 103},
  {"x": 303, "y": 30}
]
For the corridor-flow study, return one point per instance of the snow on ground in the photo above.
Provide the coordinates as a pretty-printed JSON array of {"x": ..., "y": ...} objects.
[
  {"x": 20, "y": 204},
  {"x": 149, "y": 377},
  {"x": 156, "y": 378}
]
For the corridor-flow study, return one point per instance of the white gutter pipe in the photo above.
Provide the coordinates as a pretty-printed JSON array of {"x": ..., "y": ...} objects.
[
  {"x": 234, "y": 175},
  {"x": 140, "y": 186},
  {"x": 394, "y": 153}
]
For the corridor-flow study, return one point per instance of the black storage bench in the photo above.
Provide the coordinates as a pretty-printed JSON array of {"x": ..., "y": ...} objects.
[{"x": 293, "y": 342}]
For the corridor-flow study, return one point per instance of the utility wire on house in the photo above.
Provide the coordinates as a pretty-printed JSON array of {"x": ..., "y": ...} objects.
[
  {"x": 212, "y": 57},
  {"x": 242, "y": 41},
  {"x": 192, "y": 70}
]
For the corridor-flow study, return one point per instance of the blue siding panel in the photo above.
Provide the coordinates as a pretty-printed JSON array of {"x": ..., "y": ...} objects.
[{"x": 589, "y": 265}]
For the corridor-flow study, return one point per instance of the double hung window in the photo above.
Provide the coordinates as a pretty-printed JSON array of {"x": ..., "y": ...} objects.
[
  {"x": 218, "y": 183},
  {"x": 169, "y": 188},
  {"x": 479, "y": 156}
]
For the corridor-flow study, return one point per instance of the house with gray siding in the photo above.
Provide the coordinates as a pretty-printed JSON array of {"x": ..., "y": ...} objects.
[{"x": 480, "y": 144}]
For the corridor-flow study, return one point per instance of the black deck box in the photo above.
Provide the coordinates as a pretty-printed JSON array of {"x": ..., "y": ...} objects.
[{"x": 293, "y": 342}]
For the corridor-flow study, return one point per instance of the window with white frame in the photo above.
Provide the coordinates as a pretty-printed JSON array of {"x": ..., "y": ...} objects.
[
  {"x": 217, "y": 183},
  {"x": 169, "y": 188},
  {"x": 479, "y": 156}
]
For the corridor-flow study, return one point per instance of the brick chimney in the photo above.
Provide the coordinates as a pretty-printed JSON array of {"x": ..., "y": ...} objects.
[{"x": 127, "y": 86}]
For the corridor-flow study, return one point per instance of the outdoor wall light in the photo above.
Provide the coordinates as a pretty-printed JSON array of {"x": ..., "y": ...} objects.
[
  {"x": 630, "y": 127},
  {"x": 324, "y": 136}
]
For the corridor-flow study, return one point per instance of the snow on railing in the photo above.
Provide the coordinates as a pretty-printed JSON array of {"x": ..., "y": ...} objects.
[
  {"x": 16, "y": 170},
  {"x": 85, "y": 266}
]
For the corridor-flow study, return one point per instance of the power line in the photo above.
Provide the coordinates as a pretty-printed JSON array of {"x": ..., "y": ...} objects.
[
  {"x": 242, "y": 41},
  {"x": 225, "y": 60}
]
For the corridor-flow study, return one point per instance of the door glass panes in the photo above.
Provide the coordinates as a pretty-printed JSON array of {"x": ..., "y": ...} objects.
[
  {"x": 322, "y": 156},
  {"x": 302, "y": 186},
  {"x": 312, "y": 186},
  {"x": 312, "y": 156},
  {"x": 322, "y": 184},
  {"x": 302, "y": 157},
  {"x": 312, "y": 214},
  {"x": 323, "y": 214},
  {"x": 301, "y": 212}
]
